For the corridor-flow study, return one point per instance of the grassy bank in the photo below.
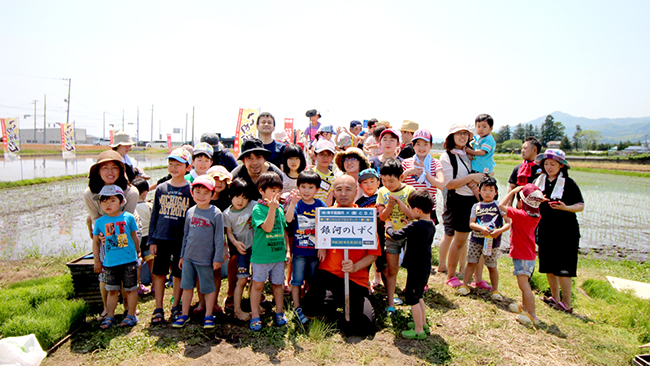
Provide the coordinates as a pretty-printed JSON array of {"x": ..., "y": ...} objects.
[{"x": 605, "y": 329}]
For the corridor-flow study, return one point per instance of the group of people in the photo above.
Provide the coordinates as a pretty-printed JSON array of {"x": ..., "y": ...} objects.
[{"x": 258, "y": 219}]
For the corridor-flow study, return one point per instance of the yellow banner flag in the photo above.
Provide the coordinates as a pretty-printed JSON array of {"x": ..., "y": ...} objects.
[
  {"x": 68, "y": 149},
  {"x": 10, "y": 138},
  {"x": 246, "y": 128}
]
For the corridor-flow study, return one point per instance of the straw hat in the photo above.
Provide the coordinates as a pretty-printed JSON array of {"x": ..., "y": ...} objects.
[{"x": 339, "y": 159}]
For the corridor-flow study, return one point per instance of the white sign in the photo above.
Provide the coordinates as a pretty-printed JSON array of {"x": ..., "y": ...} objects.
[{"x": 346, "y": 228}]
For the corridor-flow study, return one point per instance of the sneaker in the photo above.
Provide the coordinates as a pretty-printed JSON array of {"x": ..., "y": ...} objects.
[
  {"x": 410, "y": 334},
  {"x": 496, "y": 296},
  {"x": 390, "y": 311},
  {"x": 525, "y": 319},
  {"x": 515, "y": 308},
  {"x": 397, "y": 301},
  {"x": 462, "y": 290}
]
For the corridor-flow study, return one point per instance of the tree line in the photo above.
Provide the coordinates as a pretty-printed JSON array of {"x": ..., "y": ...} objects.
[{"x": 510, "y": 139}]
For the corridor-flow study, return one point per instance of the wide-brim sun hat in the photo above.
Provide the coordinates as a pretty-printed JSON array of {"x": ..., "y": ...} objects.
[
  {"x": 221, "y": 173},
  {"x": 555, "y": 154},
  {"x": 121, "y": 138},
  {"x": 253, "y": 145},
  {"x": 339, "y": 159},
  {"x": 460, "y": 127},
  {"x": 108, "y": 155}
]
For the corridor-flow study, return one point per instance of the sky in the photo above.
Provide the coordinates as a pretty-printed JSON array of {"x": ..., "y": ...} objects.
[{"x": 432, "y": 62}]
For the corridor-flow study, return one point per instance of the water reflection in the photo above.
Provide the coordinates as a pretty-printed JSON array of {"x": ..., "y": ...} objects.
[
  {"x": 47, "y": 219},
  {"x": 55, "y": 166}
]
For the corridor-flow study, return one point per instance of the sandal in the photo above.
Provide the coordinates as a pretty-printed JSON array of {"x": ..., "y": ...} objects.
[
  {"x": 397, "y": 301},
  {"x": 280, "y": 319},
  {"x": 180, "y": 321},
  {"x": 229, "y": 305},
  {"x": 101, "y": 317},
  {"x": 549, "y": 300},
  {"x": 176, "y": 312},
  {"x": 301, "y": 316},
  {"x": 425, "y": 327},
  {"x": 462, "y": 290},
  {"x": 410, "y": 334},
  {"x": 198, "y": 310},
  {"x": 560, "y": 306},
  {"x": 208, "y": 322},
  {"x": 107, "y": 323},
  {"x": 454, "y": 282},
  {"x": 129, "y": 321},
  {"x": 390, "y": 311},
  {"x": 255, "y": 325},
  {"x": 158, "y": 316},
  {"x": 242, "y": 316},
  {"x": 217, "y": 309},
  {"x": 483, "y": 285}
]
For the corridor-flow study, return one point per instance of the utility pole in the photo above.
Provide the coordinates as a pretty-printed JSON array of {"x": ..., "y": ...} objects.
[
  {"x": 137, "y": 128},
  {"x": 44, "y": 119},
  {"x": 35, "y": 121},
  {"x": 160, "y": 129},
  {"x": 151, "y": 124},
  {"x": 67, "y": 117},
  {"x": 192, "y": 124},
  {"x": 186, "y": 128},
  {"x": 122, "y": 119},
  {"x": 104, "y": 126}
]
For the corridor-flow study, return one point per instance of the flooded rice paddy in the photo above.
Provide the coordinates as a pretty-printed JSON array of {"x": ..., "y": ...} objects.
[{"x": 49, "y": 219}]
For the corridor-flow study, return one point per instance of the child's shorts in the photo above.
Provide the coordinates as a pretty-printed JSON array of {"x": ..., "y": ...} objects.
[
  {"x": 264, "y": 271},
  {"x": 168, "y": 253},
  {"x": 416, "y": 280},
  {"x": 304, "y": 268},
  {"x": 145, "y": 253},
  {"x": 244, "y": 264},
  {"x": 475, "y": 250},
  {"x": 395, "y": 246},
  {"x": 122, "y": 276},
  {"x": 523, "y": 267},
  {"x": 205, "y": 274}
]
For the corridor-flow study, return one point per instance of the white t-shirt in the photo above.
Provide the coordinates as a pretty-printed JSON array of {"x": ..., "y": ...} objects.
[{"x": 463, "y": 171}]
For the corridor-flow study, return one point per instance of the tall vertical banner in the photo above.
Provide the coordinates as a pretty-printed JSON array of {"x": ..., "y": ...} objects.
[
  {"x": 246, "y": 128},
  {"x": 68, "y": 150},
  {"x": 169, "y": 142},
  {"x": 288, "y": 129},
  {"x": 10, "y": 138}
]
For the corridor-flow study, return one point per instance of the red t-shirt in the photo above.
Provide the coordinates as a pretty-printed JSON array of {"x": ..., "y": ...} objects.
[
  {"x": 522, "y": 234},
  {"x": 332, "y": 263}
]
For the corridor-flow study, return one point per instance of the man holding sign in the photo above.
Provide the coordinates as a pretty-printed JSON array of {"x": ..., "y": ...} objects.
[{"x": 330, "y": 275}]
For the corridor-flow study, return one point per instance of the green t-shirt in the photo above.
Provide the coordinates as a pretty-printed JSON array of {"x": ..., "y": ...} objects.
[{"x": 268, "y": 247}]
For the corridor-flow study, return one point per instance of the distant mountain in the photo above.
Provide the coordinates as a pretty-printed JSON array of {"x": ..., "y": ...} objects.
[{"x": 612, "y": 129}]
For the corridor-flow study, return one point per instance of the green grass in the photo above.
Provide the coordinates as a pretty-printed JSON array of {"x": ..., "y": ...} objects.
[
  {"x": 619, "y": 309},
  {"x": 626, "y": 173},
  {"x": 40, "y": 306}
]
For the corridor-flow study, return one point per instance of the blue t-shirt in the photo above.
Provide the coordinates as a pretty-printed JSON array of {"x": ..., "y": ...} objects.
[
  {"x": 304, "y": 228},
  {"x": 118, "y": 244},
  {"x": 489, "y": 215},
  {"x": 484, "y": 163}
]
